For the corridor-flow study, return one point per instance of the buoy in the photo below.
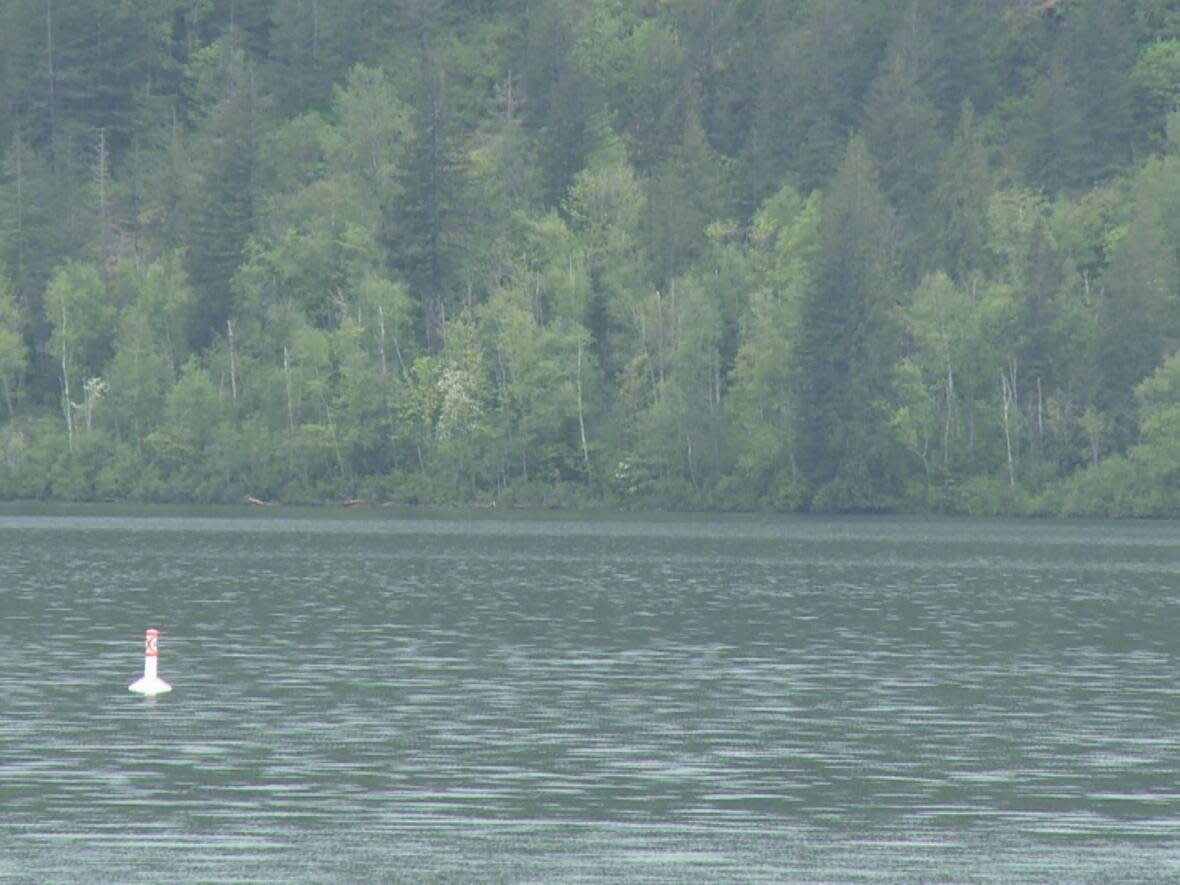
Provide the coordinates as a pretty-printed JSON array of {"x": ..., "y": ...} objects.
[{"x": 150, "y": 683}]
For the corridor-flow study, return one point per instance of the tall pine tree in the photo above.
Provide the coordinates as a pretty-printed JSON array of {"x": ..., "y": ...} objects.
[{"x": 848, "y": 345}]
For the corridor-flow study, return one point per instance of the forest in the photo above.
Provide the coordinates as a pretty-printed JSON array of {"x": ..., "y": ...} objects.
[{"x": 788, "y": 255}]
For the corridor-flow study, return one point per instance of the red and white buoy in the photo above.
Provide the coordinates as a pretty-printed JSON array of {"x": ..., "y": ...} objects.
[{"x": 150, "y": 683}]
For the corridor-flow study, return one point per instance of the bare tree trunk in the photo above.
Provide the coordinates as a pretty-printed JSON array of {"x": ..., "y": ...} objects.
[
  {"x": 335, "y": 440},
  {"x": 381, "y": 340},
  {"x": 660, "y": 337},
  {"x": 1040, "y": 410},
  {"x": 94, "y": 390},
  {"x": 287, "y": 379},
  {"x": 581, "y": 415},
  {"x": 401, "y": 364},
  {"x": 950, "y": 413},
  {"x": 651, "y": 369},
  {"x": 233, "y": 369},
  {"x": 1007, "y": 393},
  {"x": 65, "y": 380},
  {"x": 385, "y": 363}
]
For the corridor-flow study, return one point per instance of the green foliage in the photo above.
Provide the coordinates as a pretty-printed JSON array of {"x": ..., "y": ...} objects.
[
  {"x": 370, "y": 134},
  {"x": 825, "y": 254},
  {"x": 14, "y": 355},
  {"x": 816, "y": 61},
  {"x": 847, "y": 347},
  {"x": 958, "y": 216},
  {"x": 901, "y": 124},
  {"x": 1157, "y": 74},
  {"x": 218, "y": 209}
]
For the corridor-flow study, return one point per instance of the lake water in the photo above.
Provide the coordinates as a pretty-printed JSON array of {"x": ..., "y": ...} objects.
[{"x": 555, "y": 698}]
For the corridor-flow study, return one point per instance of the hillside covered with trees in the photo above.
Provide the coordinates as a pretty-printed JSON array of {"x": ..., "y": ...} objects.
[{"x": 847, "y": 255}]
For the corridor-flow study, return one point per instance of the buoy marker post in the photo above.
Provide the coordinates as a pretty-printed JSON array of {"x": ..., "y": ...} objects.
[{"x": 150, "y": 683}]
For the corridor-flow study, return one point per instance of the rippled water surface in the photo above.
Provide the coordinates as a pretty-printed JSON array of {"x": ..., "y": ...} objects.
[{"x": 482, "y": 698}]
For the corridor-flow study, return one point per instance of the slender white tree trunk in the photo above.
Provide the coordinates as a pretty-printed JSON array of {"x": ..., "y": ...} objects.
[
  {"x": 287, "y": 379},
  {"x": 233, "y": 368},
  {"x": 1007, "y": 393},
  {"x": 581, "y": 415},
  {"x": 381, "y": 340},
  {"x": 67, "y": 405}
]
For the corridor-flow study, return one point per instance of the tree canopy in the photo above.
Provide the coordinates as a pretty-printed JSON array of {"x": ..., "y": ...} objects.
[{"x": 839, "y": 255}]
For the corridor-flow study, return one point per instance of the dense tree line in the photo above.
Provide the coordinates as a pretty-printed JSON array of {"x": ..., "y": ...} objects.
[{"x": 789, "y": 254}]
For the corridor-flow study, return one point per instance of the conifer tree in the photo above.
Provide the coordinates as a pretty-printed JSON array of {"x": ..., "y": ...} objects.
[{"x": 848, "y": 345}]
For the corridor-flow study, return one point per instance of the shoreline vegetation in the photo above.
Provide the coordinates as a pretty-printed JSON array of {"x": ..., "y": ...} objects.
[{"x": 839, "y": 256}]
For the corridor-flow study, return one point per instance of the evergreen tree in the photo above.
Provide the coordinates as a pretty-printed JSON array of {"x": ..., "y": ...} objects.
[
  {"x": 812, "y": 85},
  {"x": 564, "y": 91},
  {"x": 689, "y": 190},
  {"x": 73, "y": 68},
  {"x": 219, "y": 211},
  {"x": 901, "y": 128},
  {"x": 1078, "y": 122},
  {"x": 315, "y": 43},
  {"x": 430, "y": 226},
  {"x": 848, "y": 344},
  {"x": 724, "y": 43},
  {"x": 957, "y": 227}
]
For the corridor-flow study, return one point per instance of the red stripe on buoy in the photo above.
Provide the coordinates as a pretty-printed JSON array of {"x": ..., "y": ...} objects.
[{"x": 151, "y": 683}]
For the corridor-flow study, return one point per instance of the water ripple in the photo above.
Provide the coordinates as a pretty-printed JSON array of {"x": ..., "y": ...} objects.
[{"x": 567, "y": 700}]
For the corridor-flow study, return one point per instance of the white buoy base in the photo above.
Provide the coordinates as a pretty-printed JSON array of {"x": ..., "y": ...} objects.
[{"x": 149, "y": 685}]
